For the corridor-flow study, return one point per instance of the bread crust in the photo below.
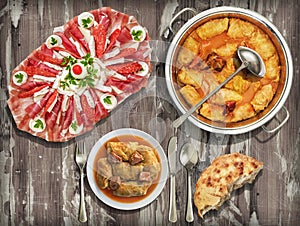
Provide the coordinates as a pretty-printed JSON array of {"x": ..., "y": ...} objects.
[{"x": 225, "y": 174}]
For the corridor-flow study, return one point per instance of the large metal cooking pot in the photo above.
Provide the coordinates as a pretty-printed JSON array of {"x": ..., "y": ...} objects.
[{"x": 284, "y": 84}]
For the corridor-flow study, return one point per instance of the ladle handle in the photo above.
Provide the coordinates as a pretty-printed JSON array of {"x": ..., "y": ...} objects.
[
  {"x": 183, "y": 117},
  {"x": 189, "y": 210}
]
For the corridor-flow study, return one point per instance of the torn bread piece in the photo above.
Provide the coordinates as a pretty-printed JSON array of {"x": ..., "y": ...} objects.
[{"x": 225, "y": 174}]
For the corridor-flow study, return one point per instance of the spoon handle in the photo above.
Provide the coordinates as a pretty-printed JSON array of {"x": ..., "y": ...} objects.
[
  {"x": 183, "y": 117},
  {"x": 189, "y": 211},
  {"x": 172, "y": 210}
]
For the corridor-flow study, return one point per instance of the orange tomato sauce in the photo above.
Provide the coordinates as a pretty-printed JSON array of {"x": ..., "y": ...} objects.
[{"x": 102, "y": 153}]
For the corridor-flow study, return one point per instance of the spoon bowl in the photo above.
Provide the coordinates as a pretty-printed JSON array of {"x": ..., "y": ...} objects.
[
  {"x": 189, "y": 158},
  {"x": 250, "y": 60}
]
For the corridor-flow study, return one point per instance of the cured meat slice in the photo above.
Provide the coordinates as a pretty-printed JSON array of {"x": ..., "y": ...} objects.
[
  {"x": 51, "y": 117},
  {"x": 79, "y": 74},
  {"x": 72, "y": 30},
  {"x": 99, "y": 34},
  {"x": 67, "y": 45}
]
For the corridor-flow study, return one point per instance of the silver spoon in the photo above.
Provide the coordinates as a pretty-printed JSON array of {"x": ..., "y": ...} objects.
[
  {"x": 250, "y": 60},
  {"x": 189, "y": 158}
]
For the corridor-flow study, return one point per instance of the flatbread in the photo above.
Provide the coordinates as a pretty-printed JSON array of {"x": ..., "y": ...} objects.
[{"x": 226, "y": 173}]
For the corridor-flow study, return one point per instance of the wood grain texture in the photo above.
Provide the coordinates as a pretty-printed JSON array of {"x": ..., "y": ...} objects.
[{"x": 40, "y": 181}]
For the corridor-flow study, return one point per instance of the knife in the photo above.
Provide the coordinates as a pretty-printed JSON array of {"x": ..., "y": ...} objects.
[{"x": 172, "y": 149}]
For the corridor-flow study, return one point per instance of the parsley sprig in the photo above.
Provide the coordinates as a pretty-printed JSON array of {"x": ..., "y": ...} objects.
[
  {"x": 89, "y": 80},
  {"x": 87, "y": 60},
  {"x": 86, "y": 22},
  {"x": 53, "y": 41},
  {"x": 19, "y": 77},
  {"x": 38, "y": 124},
  {"x": 136, "y": 34},
  {"x": 74, "y": 125},
  {"x": 107, "y": 100}
]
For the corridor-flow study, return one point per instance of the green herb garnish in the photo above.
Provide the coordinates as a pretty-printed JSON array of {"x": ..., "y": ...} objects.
[
  {"x": 89, "y": 80},
  {"x": 68, "y": 60},
  {"x": 107, "y": 100},
  {"x": 19, "y": 77},
  {"x": 53, "y": 41},
  {"x": 86, "y": 22},
  {"x": 88, "y": 60},
  {"x": 38, "y": 124},
  {"x": 74, "y": 125},
  {"x": 136, "y": 35}
]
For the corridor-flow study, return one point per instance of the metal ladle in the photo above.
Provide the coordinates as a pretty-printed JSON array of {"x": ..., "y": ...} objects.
[
  {"x": 250, "y": 60},
  {"x": 189, "y": 158}
]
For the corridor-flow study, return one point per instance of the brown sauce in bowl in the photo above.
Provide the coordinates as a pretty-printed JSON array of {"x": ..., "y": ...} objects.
[{"x": 102, "y": 153}]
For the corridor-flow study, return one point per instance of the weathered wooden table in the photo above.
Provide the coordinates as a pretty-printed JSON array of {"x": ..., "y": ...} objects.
[{"x": 39, "y": 181}]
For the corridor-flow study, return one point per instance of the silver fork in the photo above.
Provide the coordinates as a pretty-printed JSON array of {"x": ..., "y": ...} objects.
[{"x": 80, "y": 158}]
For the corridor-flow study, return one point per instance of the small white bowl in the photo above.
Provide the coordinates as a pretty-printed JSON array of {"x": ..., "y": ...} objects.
[{"x": 149, "y": 198}]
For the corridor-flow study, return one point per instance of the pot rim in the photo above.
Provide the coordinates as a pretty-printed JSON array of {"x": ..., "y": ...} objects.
[{"x": 287, "y": 56}]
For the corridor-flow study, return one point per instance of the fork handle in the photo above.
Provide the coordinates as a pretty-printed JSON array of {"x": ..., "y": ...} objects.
[{"x": 82, "y": 210}]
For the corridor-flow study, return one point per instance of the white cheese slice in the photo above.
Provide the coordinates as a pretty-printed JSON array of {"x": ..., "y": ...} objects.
[
  {"x": 58, "y": 29},
  {"x": 86, "y": 33},
  {"x": 65, "y": 104},
  {"x": 92, "y": 46},
  {"x": 114, "y": 61},
  {"x": 99, "y": 62},
  {"x": 89, "y": 99},
  {"x": 131, "y": 45},
  {"x": 58, "y": 119},
  {"x": 67, "y": 92},
  {"x": 57, "y": 55},
  {"x": 80, "y": 90},
  {"x": 116, "y": 90},
  {"x": 56, "y": 67},
  {"x": 44, "y": 78},
  {"x": 41, "y": 92},
  {"x": 81, "y": 52},
  {"x": 112, "y": 53},
  {"x": 106, "y": 89},
  {"x": 77, "y": 102},
  {"x": 56, "y": 83},
  {"x": 119, "y": 76},
  {"x": 64, "y": 54},
  {"x": 52, "y": 105}
]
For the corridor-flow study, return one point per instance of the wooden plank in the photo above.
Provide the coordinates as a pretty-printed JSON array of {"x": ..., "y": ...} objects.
[{"x": 40, "y": 180}]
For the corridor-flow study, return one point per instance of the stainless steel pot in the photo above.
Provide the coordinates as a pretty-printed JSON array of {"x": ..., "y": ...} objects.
[{"x": 284, "y": 84}]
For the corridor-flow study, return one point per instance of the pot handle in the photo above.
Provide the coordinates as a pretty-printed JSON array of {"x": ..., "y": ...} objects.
[
  {"x": 280, "y": 125},
  {"x": 192, "y": 10}
]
